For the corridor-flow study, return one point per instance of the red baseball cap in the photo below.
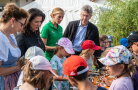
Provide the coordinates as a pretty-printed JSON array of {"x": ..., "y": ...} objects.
[
  {"x": 71, "y": 65},
  {"x": 89, "y": 44}
]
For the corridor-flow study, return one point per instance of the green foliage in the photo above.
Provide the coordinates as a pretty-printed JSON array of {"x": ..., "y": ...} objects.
[{"x": 120, "y": 19}]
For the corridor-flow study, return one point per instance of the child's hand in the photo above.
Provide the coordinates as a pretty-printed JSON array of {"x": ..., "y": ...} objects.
[
  {"x": 96, "y": 64},
  {"x": 60, "y": 78},
  {"x": 73, "y": 81},
  {"x": 106, "y": 81},
  {"x": 65, "y": 78}
]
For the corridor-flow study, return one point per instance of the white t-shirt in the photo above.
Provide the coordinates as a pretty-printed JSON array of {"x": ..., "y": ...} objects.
[
  {"x": 90, "y": 62},
  {"x": 5, "y": 47},
  {"x": 123, "y": 83},
  {"x": 20, "y": 79}
]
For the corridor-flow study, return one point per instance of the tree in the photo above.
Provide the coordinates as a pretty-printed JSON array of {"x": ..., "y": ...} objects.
[{"x": 120, "y": 19}]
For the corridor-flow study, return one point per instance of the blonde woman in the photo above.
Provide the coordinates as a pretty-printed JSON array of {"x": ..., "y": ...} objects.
[
  {"x": 12, "y": 21},
  {"x": 52, "y": 32},
  {"x": 88, "y": 49}
]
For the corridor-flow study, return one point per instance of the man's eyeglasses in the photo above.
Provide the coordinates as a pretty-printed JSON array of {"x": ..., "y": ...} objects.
[{"x": 21, "y": 23}]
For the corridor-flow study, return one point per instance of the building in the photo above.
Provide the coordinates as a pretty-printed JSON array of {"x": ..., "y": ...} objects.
[
  {"x": 99, "y": 1},
  {"x": 22, "y": 3},
  {"x": 18, "y": 2}
]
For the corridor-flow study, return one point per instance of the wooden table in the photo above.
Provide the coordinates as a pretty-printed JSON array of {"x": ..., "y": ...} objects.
[{"x": 97, "y": 79}]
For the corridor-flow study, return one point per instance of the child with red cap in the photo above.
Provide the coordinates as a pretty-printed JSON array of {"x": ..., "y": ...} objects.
[
  {"x": 77, "y": 73},
  {"x": 64, "y": 49},
  {"x": 88, "y": 49}
]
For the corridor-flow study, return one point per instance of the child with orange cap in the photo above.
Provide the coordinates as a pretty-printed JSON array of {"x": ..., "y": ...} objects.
[{"x": 76, "y": 69}]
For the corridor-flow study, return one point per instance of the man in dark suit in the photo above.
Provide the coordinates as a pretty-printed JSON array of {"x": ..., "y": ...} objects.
[{"x": 80, "y": 30}]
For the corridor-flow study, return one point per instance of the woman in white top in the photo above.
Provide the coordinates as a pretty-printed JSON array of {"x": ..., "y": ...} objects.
[{"x": 12, "y": 21}]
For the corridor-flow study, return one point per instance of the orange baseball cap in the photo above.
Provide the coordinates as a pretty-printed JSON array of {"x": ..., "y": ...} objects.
[
  {"x": 71, "y": 65},
  {"x": 89, "y": 44}
]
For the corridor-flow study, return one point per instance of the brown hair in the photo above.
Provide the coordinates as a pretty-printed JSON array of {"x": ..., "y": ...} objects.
[
  {"x": 103, "y": 37},
  {"x": 12, "y": 11},
  {"x": 33, "y": 13},
  {"x": 58, "y": 48},
  {"x": 133, "y": 63},
  {"x": 35, "y": 77},
  {"x": 56, "y": 11},
  {"x": 135, "y": 58}
]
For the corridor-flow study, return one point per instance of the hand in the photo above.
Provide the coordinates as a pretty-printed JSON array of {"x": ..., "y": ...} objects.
[
  {"x": 55, "y": 49},
  {"x": 73, "y": 81},
  {"x": 65, "y": 78},
  {"x": 18, "y": 68},
  {"x": 21, "y": 62},
  {"x": 96, "y": 64},
  {"x": 106, "y": 81}
]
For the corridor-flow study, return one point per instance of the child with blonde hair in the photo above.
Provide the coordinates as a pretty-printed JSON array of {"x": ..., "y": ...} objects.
[{"x": 88, "y": 49}]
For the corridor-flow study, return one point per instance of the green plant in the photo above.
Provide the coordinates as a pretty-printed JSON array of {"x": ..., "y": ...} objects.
[{"x": 120, "y": 19}]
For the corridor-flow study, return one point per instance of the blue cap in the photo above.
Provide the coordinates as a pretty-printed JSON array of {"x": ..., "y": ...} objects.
[
  {"x": 110, "y": 38},
  {"x": 124, "y": 42}
]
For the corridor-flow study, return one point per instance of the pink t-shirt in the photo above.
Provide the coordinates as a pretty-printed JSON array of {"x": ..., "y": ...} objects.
[{"x": 123, "y": 83}]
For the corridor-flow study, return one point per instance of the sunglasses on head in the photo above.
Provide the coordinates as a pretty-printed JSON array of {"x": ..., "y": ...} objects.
[{"x": 134, "y": 33}]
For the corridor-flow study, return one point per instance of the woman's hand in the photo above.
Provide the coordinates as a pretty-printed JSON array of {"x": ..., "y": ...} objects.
[
  {"x": 48, "y": 48},
  {"x": 51, "y": 48},
  {"x": 21, "y": 62},
  {"x": 18, "y": 68}
]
